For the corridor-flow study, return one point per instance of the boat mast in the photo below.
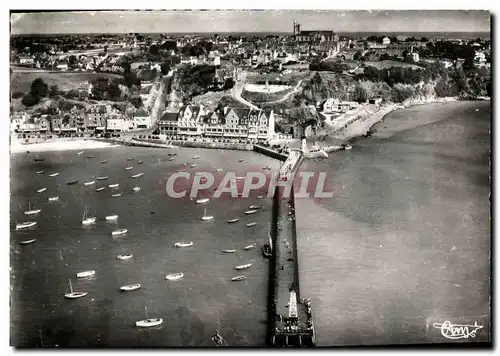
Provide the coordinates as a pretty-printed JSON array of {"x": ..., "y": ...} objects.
[
  {"x": 146, "y": 310},
  {"x": 205, "y": 212},
  {"x": 70, "y": 286},
  {"x": 270, "y": 239}
]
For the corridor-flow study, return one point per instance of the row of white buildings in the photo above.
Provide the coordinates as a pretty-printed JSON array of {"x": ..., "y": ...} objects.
[{"x": 234, "y": 123}]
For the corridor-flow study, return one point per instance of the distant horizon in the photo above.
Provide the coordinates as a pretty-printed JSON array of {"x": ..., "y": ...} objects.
[
  {"x": 400, "y": 33},
  {"x": 249, "y": 21}
]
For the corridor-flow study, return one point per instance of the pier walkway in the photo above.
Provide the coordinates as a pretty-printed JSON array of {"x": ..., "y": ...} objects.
[{"x": 290, "y": 316}]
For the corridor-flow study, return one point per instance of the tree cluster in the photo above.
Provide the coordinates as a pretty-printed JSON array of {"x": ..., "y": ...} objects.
[
  {"x": 106, "y": 89},
  {"x": 39, "y": 89}
]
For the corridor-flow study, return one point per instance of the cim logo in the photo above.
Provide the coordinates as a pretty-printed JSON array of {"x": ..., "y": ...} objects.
[{"x": 183, "y": 184}]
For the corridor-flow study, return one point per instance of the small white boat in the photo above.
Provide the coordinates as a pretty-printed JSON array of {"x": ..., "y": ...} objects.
[
  {"x": 202, "y": 201},
  {"x": 137, "y": 175},
  {"x": 146, "y": 323},
  {"x": 31, "y": 211},
  {"x": 114, "y": 185},
  {"x": 26, "y": 242},
  {"x": 194, "y": 165},
  {"x": 232, "y": 221},
  {"x": 100, "y": 189},
  {"x": 53, "y": 175},
  {"x": 229, "y": 251},
  {"x": 111, "y": 217},
  {"x": 53, "y": 198},
  {"x": 130, "y": 287},
  {"x": 39, "y": 172},
  {"x": 255, "y": 207},
  {"x": 477, "y": 109},
  {"x": 85, "y": 274},
  {"x": 219, "y": 170},
  {"x": 116, "y": 195},
  {"x": 89, "y": 183},
  {"x": 102, "y": 178},
  {"x": 174, "y": 276},
  {"x": 124, "y": 257},
  {"x": 41, "y": 190},
  {"x": 136, "y": 189},
  {"x": 80, "y": 153},
  {"x": 251, "y": 224},
  {"x": 86, "y": 220},
  {"x": 348, "y": 147},
  {"x": 243, "y": 266},
  {"x": 171, "y": 159},
  {"x": 72, "y": 294},
  {"x": 196, "y": 157},
  {"x": 128, "y": 168},
  {"x": 206, "y": 217},
  {"x": 25, "y": 225},
  {"x": 139, "y": 162},
  {"x": 248, "y": 212},
  {"x": 249, "y": 247},
  {"x": 119, "y": 232},
  {"x": 130, "y": 158},
  {"x": 184, "y": 244},
  {"x": 238, "y": 278},
  {"x": 260, "y": 197}
]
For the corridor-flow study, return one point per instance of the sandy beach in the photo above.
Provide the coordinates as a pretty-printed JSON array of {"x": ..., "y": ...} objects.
[{"x": 57, "y": 145}]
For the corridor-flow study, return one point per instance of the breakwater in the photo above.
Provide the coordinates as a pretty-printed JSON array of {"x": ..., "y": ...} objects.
[{"x": 290, "y": 322}]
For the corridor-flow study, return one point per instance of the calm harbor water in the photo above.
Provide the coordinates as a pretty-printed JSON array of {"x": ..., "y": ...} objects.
[
  {"x": 404, "y": 242},
  {"x": 40, "y": 271}
]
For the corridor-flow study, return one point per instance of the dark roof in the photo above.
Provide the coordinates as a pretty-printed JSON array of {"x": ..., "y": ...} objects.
[
  {"x": 242, "y": 113},
  {"x": 170, "y": 116},
  {"x": 141, "y": 113},
  {"x": 319, "y": 32},
  {"x": 195, "y": 109}
]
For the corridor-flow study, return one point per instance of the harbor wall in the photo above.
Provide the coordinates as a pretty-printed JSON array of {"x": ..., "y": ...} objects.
[
  {"x": 169, "y": 144},
  {"x": 270, "y": 153}
]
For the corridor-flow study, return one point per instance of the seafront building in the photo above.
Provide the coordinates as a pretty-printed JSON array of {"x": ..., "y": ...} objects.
[{"x": 231, "y": 123}]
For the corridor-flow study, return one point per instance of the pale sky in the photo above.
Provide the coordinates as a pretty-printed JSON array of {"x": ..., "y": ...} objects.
[{"x": 249, "y": 21}]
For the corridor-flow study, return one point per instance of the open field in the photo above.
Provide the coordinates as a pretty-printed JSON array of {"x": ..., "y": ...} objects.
[
  {"x": 293, "y": 78},
  {"x": 21, "y": 82},
  {"x": 388, "y": 64}
]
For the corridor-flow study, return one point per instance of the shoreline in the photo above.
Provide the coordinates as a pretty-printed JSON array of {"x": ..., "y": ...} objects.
[
  {"x": 54, "y": 145},
  {"x": 361, "y": 127}
]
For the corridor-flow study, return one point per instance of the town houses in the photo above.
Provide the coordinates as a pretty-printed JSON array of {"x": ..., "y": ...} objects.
[
  {"x": 94, "y": 119},
  {"x": 228, "y": 123}
]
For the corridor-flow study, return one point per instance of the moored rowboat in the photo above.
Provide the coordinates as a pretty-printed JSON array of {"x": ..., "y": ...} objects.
[
  {"x": 174, "y": 276},
  {"x": 85, "y": 274},
  {"x": 130, "y": 287},
  {"x": 25, "y": 242}
]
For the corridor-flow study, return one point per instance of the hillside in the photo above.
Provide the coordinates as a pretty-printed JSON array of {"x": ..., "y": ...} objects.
[{"x": 21, "y": 81}]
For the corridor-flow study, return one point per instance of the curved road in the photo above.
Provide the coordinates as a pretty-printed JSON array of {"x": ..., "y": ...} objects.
[{"x": 238, "y": 88}]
